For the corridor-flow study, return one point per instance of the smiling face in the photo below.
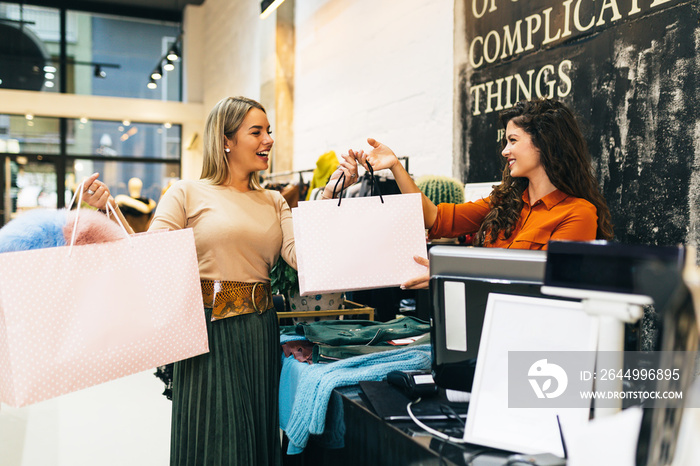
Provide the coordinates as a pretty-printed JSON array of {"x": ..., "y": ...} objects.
[
  {"x": 522, "y": 155},
  {"x": 250, "y": 146}
]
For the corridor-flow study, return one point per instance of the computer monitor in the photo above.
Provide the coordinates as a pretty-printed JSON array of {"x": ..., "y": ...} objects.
[
  {"x": 461, "y": 279},
  {"x": 608, "y": 270}
]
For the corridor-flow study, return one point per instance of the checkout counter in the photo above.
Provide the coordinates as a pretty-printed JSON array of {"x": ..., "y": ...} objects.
[
  {"x": 369, "y": 439},
  {"x": 372, "y": 441}
]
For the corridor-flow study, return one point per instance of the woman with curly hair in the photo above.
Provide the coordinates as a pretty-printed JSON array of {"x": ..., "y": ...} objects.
[{"x": 547, "y": 192}]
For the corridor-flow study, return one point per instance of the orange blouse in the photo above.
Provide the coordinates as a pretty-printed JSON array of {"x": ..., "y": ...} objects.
[{"x": 557, "y": 216}]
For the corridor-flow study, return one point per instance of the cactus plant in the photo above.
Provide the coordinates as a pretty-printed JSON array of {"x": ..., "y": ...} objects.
[{"x": 441, "y": 189}]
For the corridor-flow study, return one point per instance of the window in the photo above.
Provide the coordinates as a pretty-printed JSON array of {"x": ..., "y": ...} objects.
[
  {"x": 42, "y": 157},
  {"x": 105, "y": 55}
]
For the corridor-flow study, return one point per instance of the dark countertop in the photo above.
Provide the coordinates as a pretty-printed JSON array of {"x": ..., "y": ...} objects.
[{"x": 369, "y": 440}]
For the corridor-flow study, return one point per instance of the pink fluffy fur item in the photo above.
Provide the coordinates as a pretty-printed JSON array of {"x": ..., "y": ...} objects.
[{"x": 93, "y": 227}]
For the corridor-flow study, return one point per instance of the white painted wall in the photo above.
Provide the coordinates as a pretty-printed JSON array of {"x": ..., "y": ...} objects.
[
  {"x": 231, "y": 61},
  {"x": 224, "y": 57},
  {"x": 378, "y": 68},
  {"x": 363, "y": 68}
]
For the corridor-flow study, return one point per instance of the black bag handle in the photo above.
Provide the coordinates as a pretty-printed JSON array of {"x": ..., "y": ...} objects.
[
  {"x": 373, "y": 184},
  {"x": 342, "y": 186}
]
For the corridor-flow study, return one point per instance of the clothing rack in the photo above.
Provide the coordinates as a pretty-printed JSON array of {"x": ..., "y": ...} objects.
[
  {"x": 309, "y": 170},
  {"x": 404, "y": 159},
  {"x": 287, "y": 173}
]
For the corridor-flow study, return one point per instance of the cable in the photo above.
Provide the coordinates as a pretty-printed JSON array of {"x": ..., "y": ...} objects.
[
  {"x": 452, "y": 414},
  {"x": 441, "y": 459},
  {"x": 434, "y": 432}
]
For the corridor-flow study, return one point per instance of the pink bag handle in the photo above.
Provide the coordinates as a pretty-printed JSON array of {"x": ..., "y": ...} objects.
[{"x": 79, "y": 194}]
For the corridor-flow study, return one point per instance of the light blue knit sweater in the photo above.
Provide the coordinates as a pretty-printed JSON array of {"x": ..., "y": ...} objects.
[{"x": 318, "y": 381}]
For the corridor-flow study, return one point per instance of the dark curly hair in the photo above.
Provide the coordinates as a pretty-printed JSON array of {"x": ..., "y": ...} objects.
[{"x": 566, "y": 160}]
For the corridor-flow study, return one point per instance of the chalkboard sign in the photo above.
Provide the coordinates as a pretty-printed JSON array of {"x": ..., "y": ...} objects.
[{"x": 630, "y": 71}]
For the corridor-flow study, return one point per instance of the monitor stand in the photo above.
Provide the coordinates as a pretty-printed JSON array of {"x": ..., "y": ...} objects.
[{"x": 613, "y": 310}]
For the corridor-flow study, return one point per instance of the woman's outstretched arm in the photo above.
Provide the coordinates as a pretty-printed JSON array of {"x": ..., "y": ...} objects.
[{"x": 381, "y": 157}]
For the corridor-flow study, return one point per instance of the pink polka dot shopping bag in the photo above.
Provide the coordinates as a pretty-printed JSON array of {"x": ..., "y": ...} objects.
[
  {"x": 79, "y": 315},
  {"x": 358, "y": 243}
]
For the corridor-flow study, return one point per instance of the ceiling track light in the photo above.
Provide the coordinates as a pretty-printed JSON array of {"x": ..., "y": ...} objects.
[
  {"x": 157, "y": 73},
  {"x": 173, "y": 53},
  {"x": 166, "y": 63},
  {"x": 268, "y": 6},
  {"x": 99, "y": 72}
]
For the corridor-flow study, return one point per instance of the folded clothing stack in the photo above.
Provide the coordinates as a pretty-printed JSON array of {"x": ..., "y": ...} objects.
[
  {"x": 305, "y": 391},
  {"x": 356, "y": 350},
  {"x": 340, "y": 339}
]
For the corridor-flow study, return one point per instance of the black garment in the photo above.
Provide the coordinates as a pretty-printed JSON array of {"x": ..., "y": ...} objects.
[
  {"x": 165, "y": 374},
  {"x": 386, "y": 185}
]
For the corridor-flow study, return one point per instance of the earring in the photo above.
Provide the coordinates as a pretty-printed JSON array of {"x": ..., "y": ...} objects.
[{"x": 227, "y": 150}]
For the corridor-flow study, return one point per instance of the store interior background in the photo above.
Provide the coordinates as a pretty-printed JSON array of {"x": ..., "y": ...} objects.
[
  {"x": 357, "y": 68},
  {"x": 330, "y": 73}
]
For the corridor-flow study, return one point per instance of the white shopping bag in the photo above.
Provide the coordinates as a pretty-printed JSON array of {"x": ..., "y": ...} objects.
[{"x": 362, "y": 243}]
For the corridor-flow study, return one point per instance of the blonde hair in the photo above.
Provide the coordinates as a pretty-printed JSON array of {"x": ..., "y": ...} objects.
[{"x": 224, "y": 120}]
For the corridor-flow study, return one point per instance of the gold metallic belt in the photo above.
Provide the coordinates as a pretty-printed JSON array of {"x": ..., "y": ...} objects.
[{"x": 228, "y": 299}]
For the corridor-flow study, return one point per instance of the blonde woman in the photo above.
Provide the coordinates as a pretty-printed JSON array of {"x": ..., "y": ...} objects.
[{"x": 225, "y": 403}]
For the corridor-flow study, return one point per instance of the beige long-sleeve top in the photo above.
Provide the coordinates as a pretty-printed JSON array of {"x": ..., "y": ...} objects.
[{"x": 238, "y": 235}]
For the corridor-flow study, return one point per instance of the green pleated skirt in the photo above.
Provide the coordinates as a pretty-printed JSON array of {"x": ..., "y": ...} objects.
[{"x": 225, "y": 402}]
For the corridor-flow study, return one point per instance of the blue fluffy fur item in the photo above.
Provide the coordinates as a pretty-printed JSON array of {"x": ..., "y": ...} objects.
[
  {"x": 35, "y": 229},
  {"x": 44, "y": 228}
]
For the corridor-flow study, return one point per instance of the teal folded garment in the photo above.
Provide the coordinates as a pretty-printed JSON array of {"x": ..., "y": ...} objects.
[
  {"x": 361, "y": 332},
  {"x": 312, "y": 387}
]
